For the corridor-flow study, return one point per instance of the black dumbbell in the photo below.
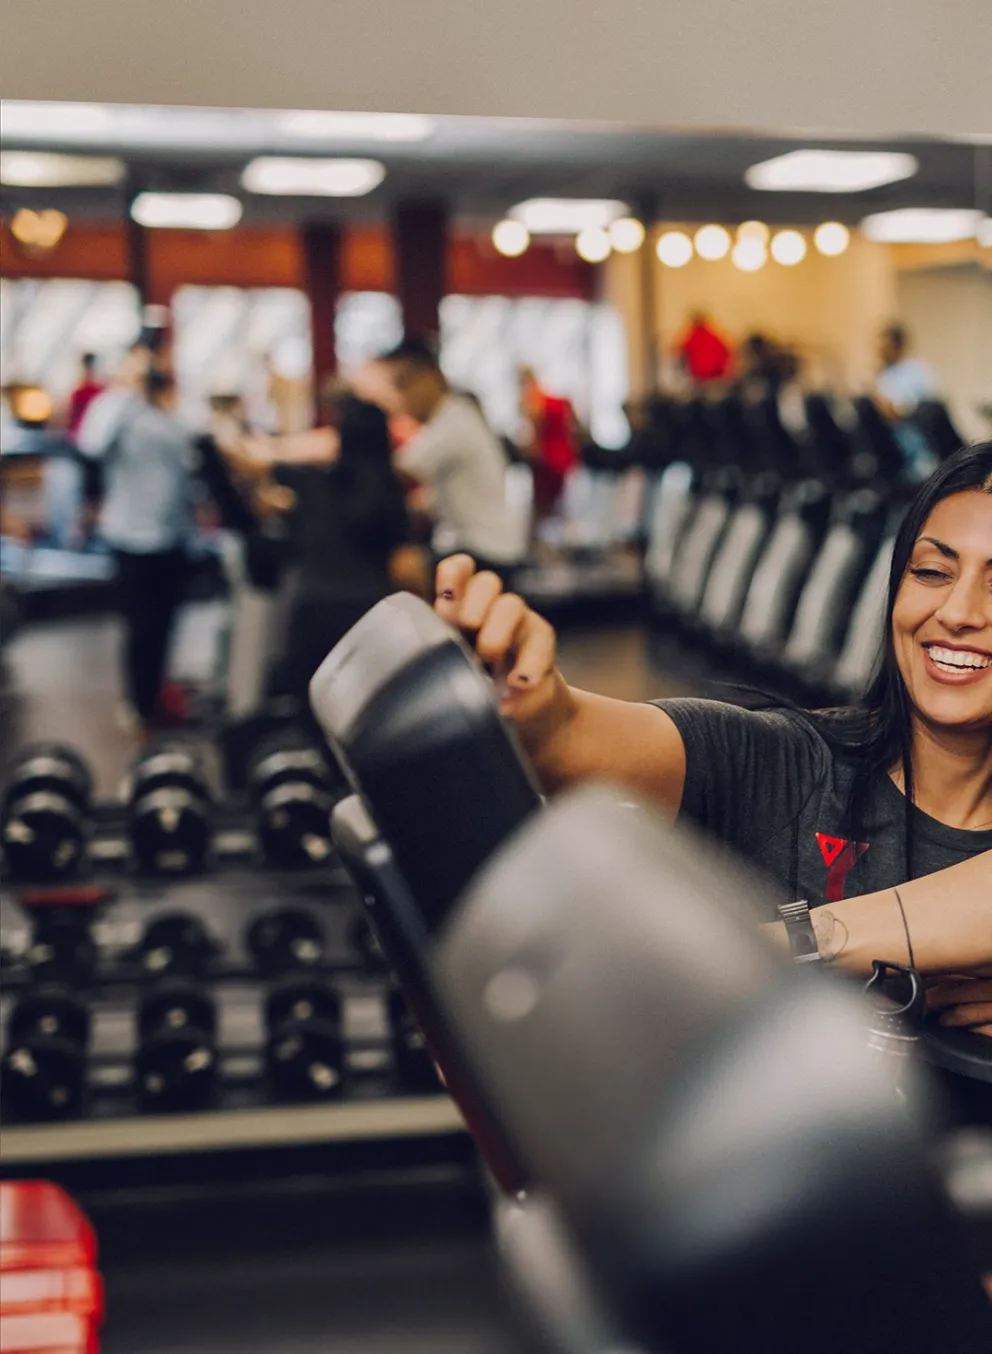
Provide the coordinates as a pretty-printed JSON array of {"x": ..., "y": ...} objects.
[
  {"x": 412, "y": 1058},
  {"x": 62, "y": 949},
  {"x": 170, "y": 812},
  {"x": 44, "y": 1066},
  {"x": 176, "y": 943},
  {"x": 293, "y": 791},
  {"x": 305, "y": 1049},
  {"x": 176, "y": 1064},
  {"x": 285, "y": 940},
  {"x": 46, "y": 813}
]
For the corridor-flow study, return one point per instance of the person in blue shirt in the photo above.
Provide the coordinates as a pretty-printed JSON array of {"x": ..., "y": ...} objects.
[
  {"x": 903, "y": 383},
  {"x": 146, "y": 518}
]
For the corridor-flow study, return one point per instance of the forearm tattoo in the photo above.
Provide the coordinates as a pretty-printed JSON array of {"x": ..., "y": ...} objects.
[{"x": 831, "y": 934}]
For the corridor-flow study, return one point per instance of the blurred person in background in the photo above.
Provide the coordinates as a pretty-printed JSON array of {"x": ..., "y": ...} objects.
[
  {"x": 903, "y": 382},
  {"x": 145, "y": 456},
  {"x": 549, "y": 442},
  {"x": 704, "y": 355},
  {"x": 345, "y": 517},
  {"x": 83, "y": 393},
  {"x": 458, "y": 458}
]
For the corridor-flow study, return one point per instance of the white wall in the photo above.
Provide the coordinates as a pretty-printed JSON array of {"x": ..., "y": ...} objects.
[
  {"x": 888, "y": 67},
  {"x": 949, "y": 314}
]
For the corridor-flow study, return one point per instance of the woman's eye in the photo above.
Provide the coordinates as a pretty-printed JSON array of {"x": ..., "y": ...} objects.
[{"x": 930, "y": 575}]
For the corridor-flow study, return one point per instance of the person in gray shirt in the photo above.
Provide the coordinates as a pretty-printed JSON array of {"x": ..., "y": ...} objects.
[{"x": 146, "y": 518}]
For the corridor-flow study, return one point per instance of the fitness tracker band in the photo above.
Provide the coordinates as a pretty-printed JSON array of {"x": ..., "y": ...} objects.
[{"x": 799, "y": 929}]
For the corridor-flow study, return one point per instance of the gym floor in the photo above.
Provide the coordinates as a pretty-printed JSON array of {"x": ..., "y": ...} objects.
[{"x": 425, "y": 1280}]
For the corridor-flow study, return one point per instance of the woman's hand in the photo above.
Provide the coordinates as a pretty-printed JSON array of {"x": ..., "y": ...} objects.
[
  {"x": 517, "y": 646},
  {"x": 964, "y": 1002}
]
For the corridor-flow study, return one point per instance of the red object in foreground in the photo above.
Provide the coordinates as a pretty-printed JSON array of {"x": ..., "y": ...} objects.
[{"x": 51, "y": 1296}]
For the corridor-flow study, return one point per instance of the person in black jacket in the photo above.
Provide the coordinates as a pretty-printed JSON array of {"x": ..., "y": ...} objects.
[{"x": 345, "y": 519}]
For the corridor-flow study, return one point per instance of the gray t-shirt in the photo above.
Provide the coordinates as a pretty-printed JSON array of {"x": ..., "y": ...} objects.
[
  {"x": 460, "y": 459},
  {"x": 768, "y": 785}
]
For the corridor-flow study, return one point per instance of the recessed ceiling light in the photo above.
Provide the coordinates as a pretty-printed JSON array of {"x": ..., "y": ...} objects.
[
  {"x": 830, "y": 171},
  {"x": 298, "y": 177},
  {"x": 788, "y": 248},
  {"x": 42, "y": 169},
  {"x": 510, "y": 238},
  {"x": 749, "y": 255},
  {"x": 627, "y": 234},
  {"x": 566, "y": 216},
  {"x": 41, "y": 121},
  {"x": 712, "y": 242},
  {"x": 753, "y": 230},
  {"x": 831, "y": 238},
  {"x": 674, "y": 249},
  {"x": 922, "y": 225},
  {"x": 593, "y": 244},
  {"x": 320, "y": 125},
  {"x": 186, "y": 211}
]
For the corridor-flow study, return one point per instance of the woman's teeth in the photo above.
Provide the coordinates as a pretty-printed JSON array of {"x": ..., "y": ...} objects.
[{"x": 954, "y": 660}]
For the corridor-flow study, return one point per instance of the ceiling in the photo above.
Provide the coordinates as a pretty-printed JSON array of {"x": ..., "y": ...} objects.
[{"x": 482, "y": 166}]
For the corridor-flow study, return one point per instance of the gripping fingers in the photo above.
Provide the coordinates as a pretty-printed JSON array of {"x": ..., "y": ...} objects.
[{"x": 450, "y": 581}]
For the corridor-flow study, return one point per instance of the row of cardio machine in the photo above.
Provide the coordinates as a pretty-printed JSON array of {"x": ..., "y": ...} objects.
[
  {"x": 775, "y": 550},
  {"x": 769, "y": 546},
  {"x": 695, "y": 1145}
]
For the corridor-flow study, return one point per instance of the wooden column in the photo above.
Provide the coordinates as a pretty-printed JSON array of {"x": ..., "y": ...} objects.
[
  {"x": 420, "y": 240},
  {"x": 647, "y": 213},
  {"x": 321, "y": 245}
]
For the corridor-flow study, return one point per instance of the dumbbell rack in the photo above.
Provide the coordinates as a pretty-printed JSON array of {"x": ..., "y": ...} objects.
[{"x": 372, "y": 1104}]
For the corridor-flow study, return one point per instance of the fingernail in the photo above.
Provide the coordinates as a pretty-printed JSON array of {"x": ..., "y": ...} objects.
[
  {"x": 448, "y": 595},
  {"x": 521, "y": 679}
]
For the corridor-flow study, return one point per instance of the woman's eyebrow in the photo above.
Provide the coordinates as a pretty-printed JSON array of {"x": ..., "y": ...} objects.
[{"x": 946, "y": 550}]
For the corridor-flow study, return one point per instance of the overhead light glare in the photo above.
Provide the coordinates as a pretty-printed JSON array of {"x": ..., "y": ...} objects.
[
  {"x": 37, "y": 120},
  {"x": 567, "y": 216},
  {"x": 674, "y": 248},
  {"x": 922, "y": 225},
  {"x": 510, "y": 238},
  {"x": 712, "y": 243},
  {"x": 38, "y": 230},
  {"x": 318, "y": 125},
  {"x": 753, "y": 230},
  {"x": 186, "y": 211},
  {"x": 830, "y": 171},
  {"x": 788, "y": 248},
  {"x": 42, "y": 169},
  {"x": 627, "y": 234},
  {"x": 749, "y": 255},
  {"x": 831, "y": 238},
  {"x": 593, "y": 244},
  {"x": 287, "y": 176}
]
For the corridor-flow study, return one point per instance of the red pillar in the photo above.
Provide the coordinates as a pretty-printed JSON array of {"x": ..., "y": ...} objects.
[
  {"x": 420, "y": 241},
  {"x": 322, "y": 272}
]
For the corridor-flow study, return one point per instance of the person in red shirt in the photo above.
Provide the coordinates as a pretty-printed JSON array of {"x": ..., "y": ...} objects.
[
  {"x": 704, "y": 354},
  {"x": 84, "y": 393},
  {"x": 551, "y": 447}
]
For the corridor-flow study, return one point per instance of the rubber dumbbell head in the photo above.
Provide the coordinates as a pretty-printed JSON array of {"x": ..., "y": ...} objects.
[
  {"x": 170, "y": 812},
  {"x": 301, "y": 997},
  {"x": 62, "y": 949},
  {"x": 285, "y": 939},
  {"x": 362, "y": 937},
  {"x": 176, "y": 1064},
  {"x": 176, "y": 943},
  {"x": 46, "y": 810},
  {"x": 44, "y": 1066},
  {"x": 411, "y": 1056},
  {"x": 305, "y": 1058},
  {"x": 293, "y": 791}
]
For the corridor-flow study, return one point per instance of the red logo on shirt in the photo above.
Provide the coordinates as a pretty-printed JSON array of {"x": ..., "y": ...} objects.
[{"x": 839, "y": 856}]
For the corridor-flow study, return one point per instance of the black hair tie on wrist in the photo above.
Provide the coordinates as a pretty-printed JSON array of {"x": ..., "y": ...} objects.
[{"x": 905, "y": 927}]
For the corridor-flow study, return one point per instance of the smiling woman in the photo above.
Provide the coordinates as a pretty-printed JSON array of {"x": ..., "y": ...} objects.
[{"x": 882, "y": 811}]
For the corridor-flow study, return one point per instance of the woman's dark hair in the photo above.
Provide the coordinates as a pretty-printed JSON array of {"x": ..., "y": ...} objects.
[
  {"x": 881, "y": 731},
  {"x": 377, "y": 517}
]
